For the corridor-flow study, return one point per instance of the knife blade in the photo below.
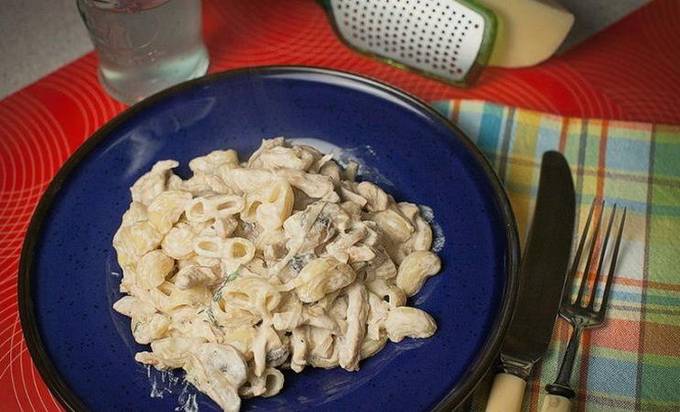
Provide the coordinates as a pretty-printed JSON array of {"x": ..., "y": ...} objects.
[
  {"x": 542, "y": 275},
  {"x": 593, "y": 16}
]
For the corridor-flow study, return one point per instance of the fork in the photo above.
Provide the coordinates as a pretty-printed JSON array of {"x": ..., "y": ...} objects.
[{"x": 580, "y": 312}]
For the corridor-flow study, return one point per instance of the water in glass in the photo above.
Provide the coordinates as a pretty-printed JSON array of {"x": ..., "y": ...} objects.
[{"x": 145, "y": 46}]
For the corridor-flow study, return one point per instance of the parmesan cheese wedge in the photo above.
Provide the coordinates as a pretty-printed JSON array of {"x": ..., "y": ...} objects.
[{"x": 529, "y": 31}]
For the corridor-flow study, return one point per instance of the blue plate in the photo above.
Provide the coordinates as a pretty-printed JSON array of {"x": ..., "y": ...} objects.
[{"x": 69, "y": 276}]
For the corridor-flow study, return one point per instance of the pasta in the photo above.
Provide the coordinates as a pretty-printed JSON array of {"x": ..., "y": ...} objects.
[{"x": 282, "y": 261}]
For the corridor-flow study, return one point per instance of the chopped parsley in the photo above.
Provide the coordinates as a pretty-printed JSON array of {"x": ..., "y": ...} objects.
[{"x": 217, "y": 295}]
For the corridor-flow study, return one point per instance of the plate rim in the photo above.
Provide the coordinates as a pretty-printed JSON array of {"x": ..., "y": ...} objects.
[{"x": 29, "y": 325}]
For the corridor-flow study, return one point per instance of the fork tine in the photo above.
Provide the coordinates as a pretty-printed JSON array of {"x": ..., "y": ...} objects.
[
  {"x": 586, "y": 270},
  {"x": 603, "y": 251},
  {"x": 612, "y": 266},
  {"x": 566, "y": 297}
]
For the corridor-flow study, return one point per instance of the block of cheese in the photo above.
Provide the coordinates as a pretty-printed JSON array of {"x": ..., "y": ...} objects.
[{"x": 529, "y": 31}]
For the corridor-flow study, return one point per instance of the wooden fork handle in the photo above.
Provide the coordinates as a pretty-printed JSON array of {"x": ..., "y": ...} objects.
[
  {"x": 555, "y": 403},
  {"x": 506, "y": 394}
]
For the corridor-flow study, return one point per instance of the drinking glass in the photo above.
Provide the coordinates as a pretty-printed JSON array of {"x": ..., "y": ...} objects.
[{"x": 145, "y": 46}]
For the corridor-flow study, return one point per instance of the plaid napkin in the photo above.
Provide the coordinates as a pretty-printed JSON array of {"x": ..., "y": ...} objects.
[{"x": 632, "y": 363}]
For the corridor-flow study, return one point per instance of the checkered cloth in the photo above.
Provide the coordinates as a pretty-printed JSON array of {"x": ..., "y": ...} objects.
[{"x": 632, "y": 363}]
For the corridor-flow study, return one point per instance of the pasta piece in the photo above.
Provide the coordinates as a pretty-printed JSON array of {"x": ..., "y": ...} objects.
[
  {"x": 241, "y": 337},
  {"x": 147, "y": 187},
  {"x": 246, "y": 180},
  {"x": 209, "y": 246},
  {"x": 176, "y": 297},
  {"x": 273, "y": 382},
  {"x": 168, "y": 353},
  {"x": 376, "y": 199},
  {"x": 316, "y": 186},
  {"x": 394, "y": 225},
  {"x": 323, "y": 347},
  {"x": 131, "y": 242},
  {"x": 276, "y": 205},
  {"x": 204, "y": 185},
  {"x": 409, "y": 322},
  {"x": 320, "y": 277},
  {"x": 360, "y": 253},
  {"x": 308, "y": 229},
  {"x": 174, "y": 182},
  {"x": 238, "y": 250},
  {"x": 166, "y": 208},
  {"x": 153, "y": 268},
  {"x": 208, "y": 164},
  {"x": 132, "y": 307},
  {"x": 415, "y": 269},
  {"x": 282, "y": 157},
  {"x": 198, "y": 210},
  {"x": 421, "y": 239},
  {"x": 390, "y": 293},
  {"x": 267, "y": 385},
  {"x": 299, "y": 341},
  {"x": 377, "y": 314},
  {"x": 178, "y": 242},
  {"x": 357, "y": 315},
  {"x": 351, "y": 171},
  {"x": 255, "y": 295},
  {"x": 229, "y": 317},
  {"x": 381, "y": 267},
  {"x": 267, "y": 349},
  {"x": 340, "y": 247},
  {"x": 218, "y": 370},
  {"x": 349, "y": 195},
  {"x": 205, "y": 208},
  {"x": 265, "y": 145},
  {"x": 224, "y": 227},
  {"x": 224, "y": 206},
  {"x": 289, "y": 314},
  {"x": 146, "y": 330},
  {"x": 185, "y": 323},
  {"x": 370, "y": 347},
  {"x": 332, "y": 170},
  {"x": 192, "y": 275},
  {"x": 321, "y": 343},
  {"x": 135, "y": 213}
]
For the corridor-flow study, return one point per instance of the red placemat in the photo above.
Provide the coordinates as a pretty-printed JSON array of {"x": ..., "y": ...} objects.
[{"x": 628, "y": 72}]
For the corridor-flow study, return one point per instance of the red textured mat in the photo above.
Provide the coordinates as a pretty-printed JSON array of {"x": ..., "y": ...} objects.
[{"x": 628, "y": 72}]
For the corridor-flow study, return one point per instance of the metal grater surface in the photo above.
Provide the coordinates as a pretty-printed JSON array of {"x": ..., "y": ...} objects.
[{"x": 438, "y": 37}]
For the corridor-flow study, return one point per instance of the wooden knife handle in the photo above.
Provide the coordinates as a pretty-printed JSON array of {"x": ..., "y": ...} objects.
[
  {"x": 506, "y": 394},
  {"x": 555, "y": 403}
]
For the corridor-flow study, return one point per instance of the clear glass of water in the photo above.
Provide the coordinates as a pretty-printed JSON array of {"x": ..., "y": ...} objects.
[{"x": 145, "y": 46}]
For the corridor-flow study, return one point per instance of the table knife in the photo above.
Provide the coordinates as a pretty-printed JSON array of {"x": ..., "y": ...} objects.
[{"x": 542, "y": 277}]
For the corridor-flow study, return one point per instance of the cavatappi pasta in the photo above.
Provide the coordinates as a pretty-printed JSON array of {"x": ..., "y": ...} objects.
[{"x": 282, "y": 261}]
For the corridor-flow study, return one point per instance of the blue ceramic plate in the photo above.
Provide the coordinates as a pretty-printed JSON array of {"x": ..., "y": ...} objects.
[{"x": 69, "y": 275}]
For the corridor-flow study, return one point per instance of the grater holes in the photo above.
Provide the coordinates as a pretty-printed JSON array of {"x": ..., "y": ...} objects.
[{"x": 407, "y": 30}]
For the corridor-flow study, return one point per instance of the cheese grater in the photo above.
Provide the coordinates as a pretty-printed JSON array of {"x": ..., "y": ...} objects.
[{"x": 446, "y": 39}]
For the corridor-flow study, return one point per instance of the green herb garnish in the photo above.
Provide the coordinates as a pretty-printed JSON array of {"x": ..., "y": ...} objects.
[{"x": 217, "y": 295}]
